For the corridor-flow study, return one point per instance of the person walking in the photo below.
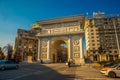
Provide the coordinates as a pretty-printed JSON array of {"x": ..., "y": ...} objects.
[{"x": 69, "y": 63}]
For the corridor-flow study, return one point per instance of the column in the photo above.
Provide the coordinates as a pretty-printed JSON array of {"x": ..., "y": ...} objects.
[
  {"x": 81, "y": 48},
  {"x": 108, "y": 57},
  {"x": 81, "y": 51},
  {"x": 70, "y": 48},
  {"x": 48, "y": 50},
  {"x": 38, "y": 50}
]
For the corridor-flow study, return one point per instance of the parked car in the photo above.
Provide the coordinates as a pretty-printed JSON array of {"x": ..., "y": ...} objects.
[
  {"x": 108, "y": 64},
  {"x": 113, "y": 71},
  {"x": 8, "y": 64}
]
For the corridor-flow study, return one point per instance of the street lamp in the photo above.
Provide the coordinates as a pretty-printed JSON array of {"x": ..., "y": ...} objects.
[
  {"x": 24, "y": 54},
  {"x": 116, "y": 35}
]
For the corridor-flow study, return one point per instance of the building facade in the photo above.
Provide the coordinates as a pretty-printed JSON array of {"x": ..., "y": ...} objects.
[
  {"x": 102, "y": 37},
  {"x": 26, "y": 42},
  {"x": 45, "y": 38}
]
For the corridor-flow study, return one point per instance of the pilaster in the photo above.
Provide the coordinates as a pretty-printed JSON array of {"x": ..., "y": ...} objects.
[
  {"x": 48, "y": 49},
  {"x": 81, "y": 51},
  {"x": 70, "y": 48},
  {"x": 38, "y": 50}
]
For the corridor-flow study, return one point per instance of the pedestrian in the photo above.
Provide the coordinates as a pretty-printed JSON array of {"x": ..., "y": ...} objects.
[
  {"x": 41, "y": 61},
  {"x": 69, "y": 63}
]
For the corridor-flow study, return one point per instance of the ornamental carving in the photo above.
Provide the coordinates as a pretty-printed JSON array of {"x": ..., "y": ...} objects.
[
  {"x": 76, "y": 42},
  {"x": 76, "y": 55},
  {"x": 76, "y": 49},
  {"x": 44, "y": 49},
  {"x": 60, "y": 28},
  {"x": 44, "y": 44},
  {"x": 44, "y": 55}
]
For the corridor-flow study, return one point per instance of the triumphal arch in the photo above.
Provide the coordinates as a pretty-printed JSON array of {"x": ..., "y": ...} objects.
[{"x": 68, "y": 31}]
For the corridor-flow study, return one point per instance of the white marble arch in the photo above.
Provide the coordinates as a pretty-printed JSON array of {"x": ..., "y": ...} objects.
[
  {"x": 77, "y": 56},
  {"x": 67, "y": 29}
]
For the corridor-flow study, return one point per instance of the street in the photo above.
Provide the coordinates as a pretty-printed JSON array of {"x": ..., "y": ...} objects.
[{"x": 59, "y": 71}]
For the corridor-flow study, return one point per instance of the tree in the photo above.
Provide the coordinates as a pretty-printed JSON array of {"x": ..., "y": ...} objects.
[
  {"x": 1, "y": 54},
  {"x": 9, "y": 50}
]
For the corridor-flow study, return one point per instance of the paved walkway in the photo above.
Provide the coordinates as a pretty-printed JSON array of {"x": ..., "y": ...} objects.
[
  {"x": 86, "y": 72},
  {"x": 90, "y": 73}
]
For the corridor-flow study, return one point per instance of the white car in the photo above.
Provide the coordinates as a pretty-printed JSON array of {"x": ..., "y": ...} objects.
[
  {"x": 8, "y": 64},
  {"x": 113, "y": 71}
]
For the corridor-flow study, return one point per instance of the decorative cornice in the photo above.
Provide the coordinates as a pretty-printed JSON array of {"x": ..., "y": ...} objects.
[{"x": 61, "y": 19}]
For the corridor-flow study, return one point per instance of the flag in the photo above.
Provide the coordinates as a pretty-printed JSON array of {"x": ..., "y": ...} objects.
[{"x": 35, "y": 26}]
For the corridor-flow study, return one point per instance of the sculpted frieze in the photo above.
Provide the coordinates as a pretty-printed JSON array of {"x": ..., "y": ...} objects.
[
  {"x": 61, "y": 27},
  {"x": 44, "y": 44},
  {"x": 61, "y": 30}
]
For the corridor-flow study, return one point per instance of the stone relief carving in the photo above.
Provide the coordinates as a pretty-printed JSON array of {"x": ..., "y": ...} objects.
[
  {"x": 76, "y": 49},
  {"x": 44, "y": 55},
  {"x": 75, "y": 42},
  {"x": 62, "y": 27},
  {"x": 44, "y": 44},
  {"x": 76, "y": 55},
  {"x": 44, "y": 49}
]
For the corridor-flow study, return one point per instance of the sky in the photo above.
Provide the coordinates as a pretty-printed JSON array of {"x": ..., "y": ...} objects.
[{"x": 20, "y": 14}]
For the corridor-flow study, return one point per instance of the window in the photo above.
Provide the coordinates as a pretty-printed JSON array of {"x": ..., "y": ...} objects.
[
  {"x": 91, "y": 30},
  {"x": 92, "y": 40},
  {"x": 98, "y": 40},
  {"x": 110, "y": 51},
  {"x": 91, "y": 26},
  {"x": 115, "y": 51},
  {"x": 92, "y": 37}
]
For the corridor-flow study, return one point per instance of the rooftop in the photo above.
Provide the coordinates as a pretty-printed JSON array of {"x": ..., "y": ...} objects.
[{"x": 61, "y": 19}]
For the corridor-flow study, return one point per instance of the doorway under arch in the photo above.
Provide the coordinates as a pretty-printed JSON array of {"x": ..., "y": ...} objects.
[{"x": 59, "y": 52}]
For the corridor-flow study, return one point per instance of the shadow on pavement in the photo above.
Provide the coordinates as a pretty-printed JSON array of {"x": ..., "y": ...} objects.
[{"x": 35, "y": 71}]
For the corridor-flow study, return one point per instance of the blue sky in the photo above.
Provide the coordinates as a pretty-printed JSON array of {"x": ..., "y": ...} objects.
[{"x": 15, "y": 14}]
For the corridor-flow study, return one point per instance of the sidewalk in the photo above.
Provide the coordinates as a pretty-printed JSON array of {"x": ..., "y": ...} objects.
[{"x": 89, "y": 73}]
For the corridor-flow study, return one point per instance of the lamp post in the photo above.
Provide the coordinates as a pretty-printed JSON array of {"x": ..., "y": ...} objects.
[
  {"x": 116, "y": 35},
  {"x": 24, "y": 54}
]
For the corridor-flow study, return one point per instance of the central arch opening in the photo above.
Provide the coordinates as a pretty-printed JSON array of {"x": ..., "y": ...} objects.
[{"x": 60, "y": 54}]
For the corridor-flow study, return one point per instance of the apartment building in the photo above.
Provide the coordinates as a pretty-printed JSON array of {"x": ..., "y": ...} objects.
[
  {"x": 102, "y": 37},
  {"x": 26, "y": 42}
]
